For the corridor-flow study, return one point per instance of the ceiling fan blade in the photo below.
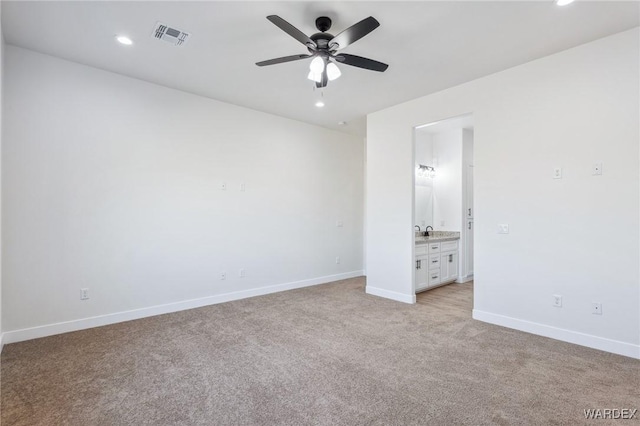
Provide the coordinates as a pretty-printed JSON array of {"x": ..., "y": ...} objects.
[
  {"x": 360, "y": 62},
  {"x": 281, "y": 60},
  {"x": 354, "y": 33},
  {"x": 291, "y": 30}
]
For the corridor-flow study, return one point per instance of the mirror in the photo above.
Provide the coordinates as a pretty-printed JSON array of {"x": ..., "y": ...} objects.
[
  {"x": 424, "y": 201},
  {"x": 423, "y": 180}
]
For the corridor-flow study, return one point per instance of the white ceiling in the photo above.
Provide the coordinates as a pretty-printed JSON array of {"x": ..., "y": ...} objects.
[{"x": 429, "y": 46}]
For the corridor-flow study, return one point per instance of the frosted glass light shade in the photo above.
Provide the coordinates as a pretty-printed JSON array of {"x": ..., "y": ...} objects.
[
  {"x": 333, "y": 71},
  {"x": 317, "y": 65},
  {"x": 315, "y": 76}
]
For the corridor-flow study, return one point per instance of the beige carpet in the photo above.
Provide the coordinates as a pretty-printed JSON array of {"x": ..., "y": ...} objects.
[{"x": 327, "y": 355}]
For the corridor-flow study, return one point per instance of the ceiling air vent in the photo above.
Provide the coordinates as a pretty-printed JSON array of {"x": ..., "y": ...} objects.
[{"x": 170, "y": 35}]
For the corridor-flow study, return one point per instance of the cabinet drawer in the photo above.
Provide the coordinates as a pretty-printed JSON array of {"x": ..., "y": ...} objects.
[
  {"x": 449, "y": 246},
  {"x": 434, "y": 247},
  {"x": 434, "y": 261},
  {"x": 434, "y": 277},
  {"x": 421, "y": 249}
]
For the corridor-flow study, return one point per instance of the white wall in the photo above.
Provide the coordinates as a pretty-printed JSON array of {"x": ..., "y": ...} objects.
[
  {"x": 577, "y": 236},
  {"x": 113, "y": 184},
  {"x": 424, "y": 149},
  {"x": 447, "y": 150},
  {"x": 1, "y": 102}
]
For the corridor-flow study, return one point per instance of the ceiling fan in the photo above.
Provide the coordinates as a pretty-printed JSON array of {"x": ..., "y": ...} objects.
[{"x": 323, "y": 48}]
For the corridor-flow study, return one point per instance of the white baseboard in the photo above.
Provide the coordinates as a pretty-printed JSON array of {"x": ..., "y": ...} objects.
[
  {"x": 1, "y": 342},
  {"x": 400, "y": 297},
  {"x": 462, "y": 280},
  {"x": 582, "y": 339},
  {"x": 97, "y": 321}
]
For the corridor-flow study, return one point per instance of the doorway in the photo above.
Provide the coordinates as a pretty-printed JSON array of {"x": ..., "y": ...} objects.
[{"x": 443, "y": 203}]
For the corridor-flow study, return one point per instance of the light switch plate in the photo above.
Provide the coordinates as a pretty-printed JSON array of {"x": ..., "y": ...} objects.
[{"x": 503, "y": 228}]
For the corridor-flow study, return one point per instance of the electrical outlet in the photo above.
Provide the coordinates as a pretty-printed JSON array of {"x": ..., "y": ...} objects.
[
  {"x": 557, "y": 301},
  {"x": 503, "y": 228},
  {"x": 596, "y": 308},
  {"x": 241, "y": 273},
  {"x": 223, "y": 186},
  {"x": 596, "y": 169},
  {"x": 84, "y": 293},
  {"x": 243, "y": 187},
  {"x": 339, "y": 223},
  {"x": 557, "y": 173},
  {"x": 337, "y": 260},
  {"x": 223, "y": 276}
]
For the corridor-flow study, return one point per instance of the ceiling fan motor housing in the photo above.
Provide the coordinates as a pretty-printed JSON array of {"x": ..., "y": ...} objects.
[{"x": 321, "y": 40}]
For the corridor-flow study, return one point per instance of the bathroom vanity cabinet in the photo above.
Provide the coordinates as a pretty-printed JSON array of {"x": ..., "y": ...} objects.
[{"x": 436, "y": 263}]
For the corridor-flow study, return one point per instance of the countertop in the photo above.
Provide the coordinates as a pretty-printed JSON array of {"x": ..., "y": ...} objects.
[{"x": 437, "y": 236}]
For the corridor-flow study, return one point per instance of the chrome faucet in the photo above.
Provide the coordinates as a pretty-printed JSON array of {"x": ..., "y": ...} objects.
[
  {"x": 416, "y": 226},
  {"x": 426, "y": 230}
]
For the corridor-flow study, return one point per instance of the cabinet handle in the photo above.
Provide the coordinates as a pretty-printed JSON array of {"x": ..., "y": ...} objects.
[
  {"x": 469, "y": 225},
  {"x": 417, "y": 264},
  {"x": 450, "y": 258},
  {"x": 433, "y": 277},
  {"x": 469, "y": 212},
  {"x": 434, "y": 261}
]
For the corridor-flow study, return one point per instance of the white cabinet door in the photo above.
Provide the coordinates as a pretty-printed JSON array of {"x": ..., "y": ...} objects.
[
  {"x": 421, "y": 267},
  {"x": 449, "y": 266}
]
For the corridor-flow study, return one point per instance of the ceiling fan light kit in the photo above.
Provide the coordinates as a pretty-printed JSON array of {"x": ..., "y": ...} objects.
[
  {"x": 333, "y": 71},
  {"x": 323, "y": 48},
  {"x": 317, "y": 65},
  {"x": 315, "y": 76}
]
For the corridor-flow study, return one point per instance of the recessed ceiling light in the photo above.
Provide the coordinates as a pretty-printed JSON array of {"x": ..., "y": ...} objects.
[
  {"x": 563, "y": 2},
  {"x": 124, "y": 40},
  {"x": 319, "y": 104}
]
